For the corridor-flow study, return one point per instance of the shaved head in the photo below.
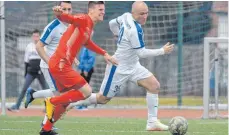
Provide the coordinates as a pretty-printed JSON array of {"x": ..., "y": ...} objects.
[
  {"x": 138, "y": 5},
  {"x": 140, "y": 11}
]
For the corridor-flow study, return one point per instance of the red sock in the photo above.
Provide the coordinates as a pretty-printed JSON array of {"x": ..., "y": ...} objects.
[
  {"x": 59, "y": 111},
  {"x": 67, "y": 97},
  {"x": 48, "y": 126}
]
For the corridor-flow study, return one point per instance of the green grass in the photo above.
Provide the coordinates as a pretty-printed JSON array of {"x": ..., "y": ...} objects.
[{"x": 104, "y": 126}]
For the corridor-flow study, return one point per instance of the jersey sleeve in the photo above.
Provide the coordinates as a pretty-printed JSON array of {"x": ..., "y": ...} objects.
[
  {"x": 136, "y": 36},
  {"x": 95, "y": 48},
  {"x": 115, "y": 24},
  {"x": 73, "y": 19},
  {"x": 48, "y": 32}
]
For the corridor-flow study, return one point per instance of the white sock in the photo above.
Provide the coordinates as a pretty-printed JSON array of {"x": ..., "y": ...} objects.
[
  {"x": 43, "y": 93},
  {"x": 45, "y": 119},
  {"x": 152, "y": 104},
  {"x": 89, "y": 101}
]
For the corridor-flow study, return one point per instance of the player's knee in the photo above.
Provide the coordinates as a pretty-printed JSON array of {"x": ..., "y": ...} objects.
[
  {"x": 157, "y": 85},
  {"x": 88, "y": 92},
  {"x": 154, "y": 87}
]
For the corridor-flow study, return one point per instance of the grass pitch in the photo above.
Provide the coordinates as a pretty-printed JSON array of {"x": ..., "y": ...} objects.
[{"x": 104, "y": 126}]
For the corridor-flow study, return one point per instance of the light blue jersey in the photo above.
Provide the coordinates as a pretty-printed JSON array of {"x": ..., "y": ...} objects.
[
  {"x": 130, "y": 39},
  {"x": 51, "y": 37}
]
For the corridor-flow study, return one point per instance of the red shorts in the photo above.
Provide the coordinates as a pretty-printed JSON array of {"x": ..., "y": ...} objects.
[{"x": 67, "y": 79}]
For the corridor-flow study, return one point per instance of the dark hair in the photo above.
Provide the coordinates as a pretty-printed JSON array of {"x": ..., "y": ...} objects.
[
  {"x": 64, "y": 2},
  {"x": 35, "y": 31},
  {"x": 92, "y": 3}
]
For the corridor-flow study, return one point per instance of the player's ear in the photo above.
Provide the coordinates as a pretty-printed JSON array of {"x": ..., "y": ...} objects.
[{"x": 90, "y": 10}]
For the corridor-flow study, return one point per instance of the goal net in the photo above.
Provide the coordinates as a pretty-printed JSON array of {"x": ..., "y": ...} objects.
[{"x": 215, "y": 77}]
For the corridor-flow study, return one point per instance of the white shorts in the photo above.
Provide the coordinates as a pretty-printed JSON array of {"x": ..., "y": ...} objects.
[
  {"x": 114, "y": 78},
  {"x": 48, "y": 78}
]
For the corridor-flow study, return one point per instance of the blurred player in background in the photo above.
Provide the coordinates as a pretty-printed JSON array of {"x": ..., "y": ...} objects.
[
  {"x": 46, "y": 47},
  {"x": 32, "y": 69},
  {"x": 72, "y": 86},
  {"x": 131, "y": 47}
]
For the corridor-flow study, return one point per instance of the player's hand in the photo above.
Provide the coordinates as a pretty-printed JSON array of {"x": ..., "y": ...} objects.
[
  {"x": 168, "y": 48},
  {"x": 76, "y": 62},
  {"x": 57, "y": 10},
  {"x": 61, "y": 64},
  {"x": 108, "y": 59}
]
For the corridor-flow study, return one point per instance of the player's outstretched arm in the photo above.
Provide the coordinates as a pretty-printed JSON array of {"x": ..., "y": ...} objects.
[
  {"x": 137, "y": 42},
  {"x": 144, "y": 53},
  {"x": 95, "y": 48},
  {"x": 71, "y": 19}
]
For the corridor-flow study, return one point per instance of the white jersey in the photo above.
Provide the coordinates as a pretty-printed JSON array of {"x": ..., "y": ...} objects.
[
  {"x": 130, "y": 38},
  {"x": 31, "y": 53},
  {"x": 51, "y": 37}
]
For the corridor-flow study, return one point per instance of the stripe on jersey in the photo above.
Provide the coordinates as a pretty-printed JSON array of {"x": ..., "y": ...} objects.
[
  {"x": 110, "y": 78},
  {"x": 53, "y": 81},
  {"x": 117, "y": 22},
  {"x": 49, "y": 30},
  {"x": 140, "y": 35},
  {"x": 120, "y": 35}
]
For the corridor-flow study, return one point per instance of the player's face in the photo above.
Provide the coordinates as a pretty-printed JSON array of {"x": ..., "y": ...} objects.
[
  {"x": 66, "y": 7},
  {"x": 142, "y": 16},
  {"x": 36, "y": 37},
  {"x": 99, "y": 11}
]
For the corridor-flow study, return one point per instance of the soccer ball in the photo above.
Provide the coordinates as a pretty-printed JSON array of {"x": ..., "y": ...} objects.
[{"x": 178, "y": 125}]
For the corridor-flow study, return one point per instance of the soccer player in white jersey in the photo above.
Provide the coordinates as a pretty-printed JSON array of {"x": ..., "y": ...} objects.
[{"x": 131, "y": 47}]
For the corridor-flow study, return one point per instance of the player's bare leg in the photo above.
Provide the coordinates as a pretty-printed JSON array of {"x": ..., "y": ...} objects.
[
  {"x": 56, "y": 106},
  {"x": 152, "y": 85},
  {"x": 94, "y": 99},
  {"x": 67, "y": 97}
]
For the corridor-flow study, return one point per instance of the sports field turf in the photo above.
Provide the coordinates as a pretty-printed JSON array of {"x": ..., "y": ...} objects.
[{"x": 104, "y": 126}]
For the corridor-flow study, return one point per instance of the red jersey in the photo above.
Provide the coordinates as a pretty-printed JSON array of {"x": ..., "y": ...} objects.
[{"x": 77, "y": 34}]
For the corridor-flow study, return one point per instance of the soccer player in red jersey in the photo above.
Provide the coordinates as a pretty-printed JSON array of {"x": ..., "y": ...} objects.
[{"x": 69, "y": 82}]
